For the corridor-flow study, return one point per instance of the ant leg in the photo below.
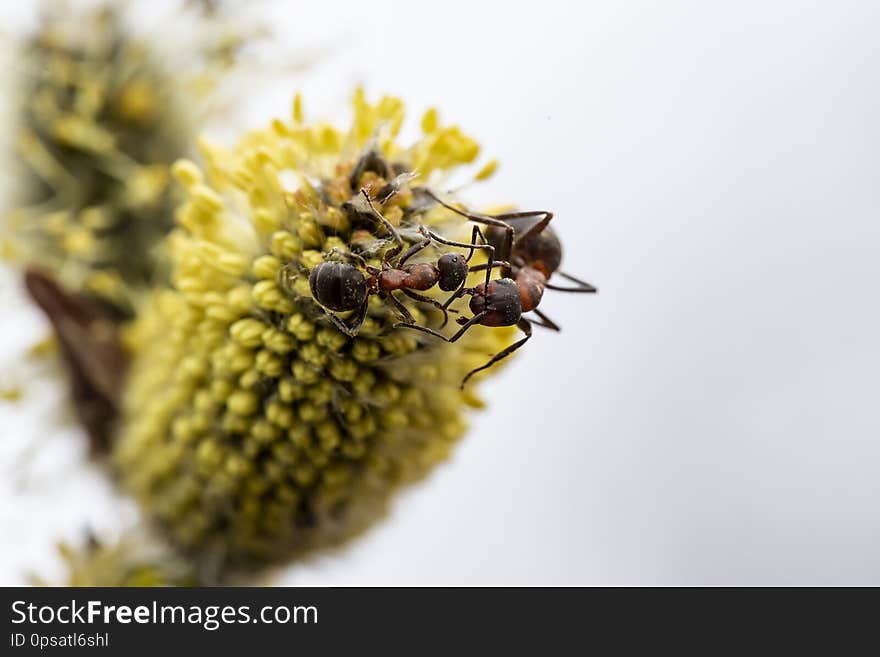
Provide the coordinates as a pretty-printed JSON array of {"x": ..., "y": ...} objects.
[
  {"x": 387, "y": 224},
  {"x": 546, "y": 322},
  {"x": 359, "y": 320},
  {"x": 411, "y": 251},
  {"x": 456, "y": 295},
  {"x": 423, "y": 299},
  {"x": 525, "y": 326},
  {"x": 535, "y": 229},
  {"x": 476, "y": 319},
  {"x": 486, "y": 219},
  {"x": 348, "y": 255},
  {"x": 470, "y": 247},
  {"x": 473, "y": 245},
  {"x": 497, "y": 263},
  {"x": 478, "y": 233},
  {"x": 400, "y": 308},
  {"x": 350, "y": 331},
  {"x": 582, "y": 286},
  {"x": 461, "y": 290}
]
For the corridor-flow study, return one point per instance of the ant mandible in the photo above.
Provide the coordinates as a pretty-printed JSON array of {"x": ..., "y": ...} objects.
[
  {"x": 343, "y": 287},
  {"x": 527, "y": 262}
]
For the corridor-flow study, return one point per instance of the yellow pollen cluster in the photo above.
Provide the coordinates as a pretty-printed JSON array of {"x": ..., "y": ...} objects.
[
  {"x": 100, "y": 118},
  {"x": 132, "y": 560}
]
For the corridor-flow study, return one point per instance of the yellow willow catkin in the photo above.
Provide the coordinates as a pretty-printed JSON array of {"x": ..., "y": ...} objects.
[
  {"x": 133, "y": 560},
  {"x": 253, "y": 428},
  {"x": 99, "y": 117}
]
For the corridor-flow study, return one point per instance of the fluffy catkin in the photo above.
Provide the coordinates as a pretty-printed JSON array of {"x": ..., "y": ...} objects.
[
  {"x": 252, "y": 427},
  {"x": 100, "y": 123},
  {"x": 100, "y": 111},
  {"x": 133, "y": 560}
]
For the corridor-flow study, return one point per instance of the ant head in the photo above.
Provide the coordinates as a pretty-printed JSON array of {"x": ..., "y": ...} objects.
[
  {"x": 500, "y": 301},
  {"x": 339, "y": 286},
  {"x": 453, "y": 271}
]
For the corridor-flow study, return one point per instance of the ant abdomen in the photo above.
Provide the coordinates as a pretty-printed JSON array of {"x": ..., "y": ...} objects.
[
  {"x": 500, "y": 301},
  {"x": 338, "y": 286}
]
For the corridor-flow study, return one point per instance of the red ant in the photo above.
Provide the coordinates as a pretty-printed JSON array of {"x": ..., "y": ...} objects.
[
  {"x": 342, "y": 287},
  {"x": 530, "y": 253}
]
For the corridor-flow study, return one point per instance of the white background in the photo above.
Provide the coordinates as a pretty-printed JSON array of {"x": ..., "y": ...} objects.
[{"x": 711, "y": 417}]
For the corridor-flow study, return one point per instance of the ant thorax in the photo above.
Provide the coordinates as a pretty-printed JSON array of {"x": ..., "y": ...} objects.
[
  {"x": 531, "y": 282},
  {"x": 391, "y": 279}
]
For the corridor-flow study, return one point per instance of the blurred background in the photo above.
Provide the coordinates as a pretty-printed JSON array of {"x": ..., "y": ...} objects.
[{"x": 712, "y": 415}]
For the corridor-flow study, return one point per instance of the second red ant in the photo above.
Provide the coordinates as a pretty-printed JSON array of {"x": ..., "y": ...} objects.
[{"x": 528, "y": 255}]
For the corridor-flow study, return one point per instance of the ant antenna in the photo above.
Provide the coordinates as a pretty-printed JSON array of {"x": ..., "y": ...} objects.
[{"x": 387, "y": 225}]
